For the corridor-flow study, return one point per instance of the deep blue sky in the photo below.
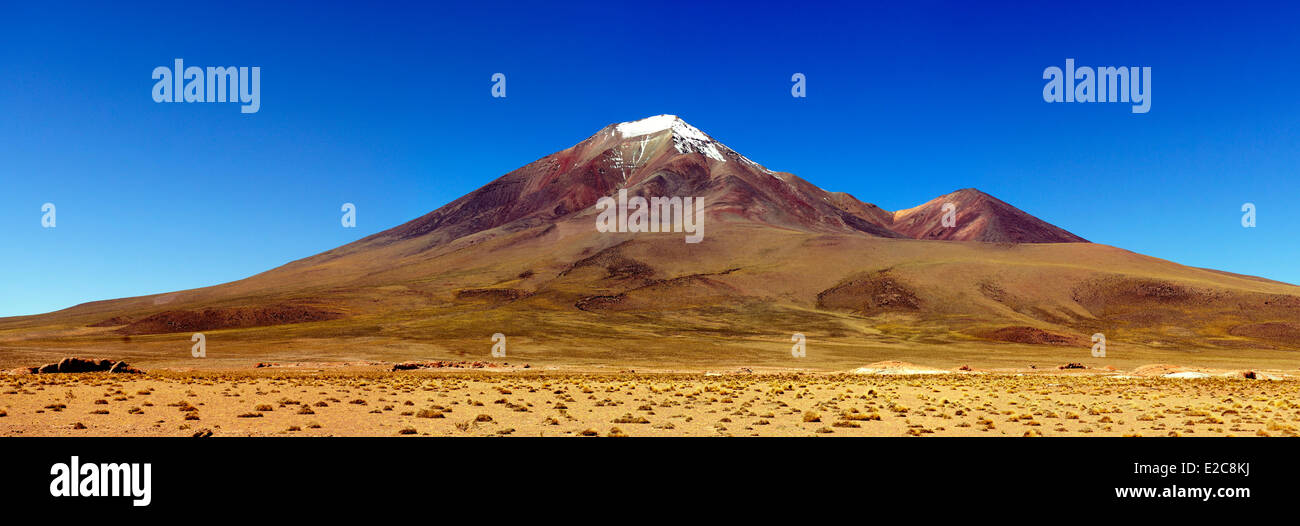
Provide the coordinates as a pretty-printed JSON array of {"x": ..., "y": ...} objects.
[{"x": 390, "y": 108}]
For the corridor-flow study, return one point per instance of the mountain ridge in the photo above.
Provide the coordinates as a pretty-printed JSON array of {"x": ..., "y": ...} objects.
[{"x": 663, "y": 155}]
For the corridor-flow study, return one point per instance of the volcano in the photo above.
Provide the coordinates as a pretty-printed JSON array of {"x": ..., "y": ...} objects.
[
  {"x": 665, "y": 156},
  {"x": 962, "y": 278}
]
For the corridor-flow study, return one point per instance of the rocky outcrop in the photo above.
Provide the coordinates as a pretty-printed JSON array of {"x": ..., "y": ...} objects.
[{"x": 84, "y": 365}]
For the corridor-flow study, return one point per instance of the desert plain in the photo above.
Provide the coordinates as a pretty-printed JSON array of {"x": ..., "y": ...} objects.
[{"x": 885, "y": 399}]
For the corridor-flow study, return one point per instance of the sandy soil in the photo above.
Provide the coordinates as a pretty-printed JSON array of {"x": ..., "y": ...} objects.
[{"x": 885, "y": 400}]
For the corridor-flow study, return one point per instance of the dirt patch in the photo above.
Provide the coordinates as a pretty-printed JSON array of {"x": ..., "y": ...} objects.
[
  {"x": 873, "y": 294},
  {"x": 892, "y": 367},
  {"x": 684, "y": 289},
  {"x": 1275, "y": 331},
  {"x": 227, "y": 318},
  {"x": 1112, "y": 292},
  {"x": 595, "y": 303},
  {"x": 1157, "y": 369},
  {"x": 629, "y": 269},
  {"x": 616, "y": 265},
  {"x": 115, "y": 321},
  {"x": 992, "y": 290},
  {"x": 1147, "y": 303},
  {"x": 493, "y": 295},
  {"x": 693, "y": 290},
  {"x": 1032, "y": 335},
  {"x": 355, "y": 365}
]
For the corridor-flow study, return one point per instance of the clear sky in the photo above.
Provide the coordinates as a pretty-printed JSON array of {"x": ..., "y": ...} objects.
[{"x": 390, "y": 108}]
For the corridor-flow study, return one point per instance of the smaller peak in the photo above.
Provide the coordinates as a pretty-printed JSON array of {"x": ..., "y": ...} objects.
[{"x": 973, "y": 194}]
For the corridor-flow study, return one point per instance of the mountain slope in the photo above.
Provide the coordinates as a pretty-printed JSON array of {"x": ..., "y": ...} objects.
[{"x": 521, "y": 256}]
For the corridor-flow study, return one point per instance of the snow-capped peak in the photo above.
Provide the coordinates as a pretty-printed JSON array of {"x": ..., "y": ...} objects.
[
  {"x": 648, "y": 125},
  {"x": 686, "y": 138}
]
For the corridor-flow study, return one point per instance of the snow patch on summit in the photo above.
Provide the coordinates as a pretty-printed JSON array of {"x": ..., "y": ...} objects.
[
  {"x": 686, "y": 138},
  {"x": 647, "y": 125}
]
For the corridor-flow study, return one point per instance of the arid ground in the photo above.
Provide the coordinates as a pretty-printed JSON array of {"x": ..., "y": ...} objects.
[{"x": 892, "y": 399}]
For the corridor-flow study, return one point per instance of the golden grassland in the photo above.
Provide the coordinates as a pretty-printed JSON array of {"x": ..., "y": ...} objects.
[
  {"x": 733, "y": 302},
  {"x": 559, "y": 404},
  {"x": 617, "y": 341}
]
